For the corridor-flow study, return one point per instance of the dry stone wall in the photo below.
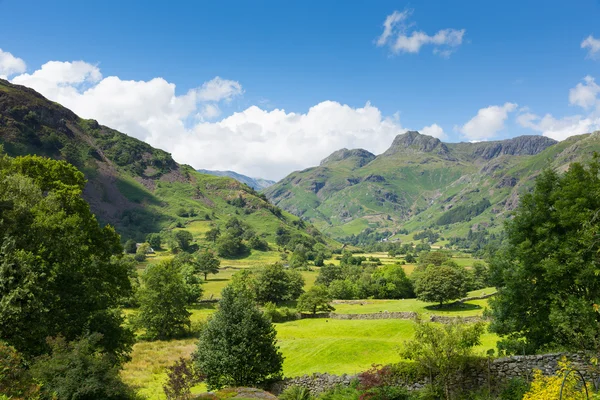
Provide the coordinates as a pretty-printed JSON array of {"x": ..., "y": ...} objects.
[{"x": 479, "y": 375}]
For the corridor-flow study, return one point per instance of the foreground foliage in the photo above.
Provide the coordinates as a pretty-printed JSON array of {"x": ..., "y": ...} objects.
[
  {"x": 59, "y": 270},
  {"x": 238, "y": 345},
  {"x": 547, "y": 275}
]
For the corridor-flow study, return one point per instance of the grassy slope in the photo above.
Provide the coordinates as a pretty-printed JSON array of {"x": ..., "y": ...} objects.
[
  {"x": 131, "y": 185},
  {"x": 417, "y": 188}
]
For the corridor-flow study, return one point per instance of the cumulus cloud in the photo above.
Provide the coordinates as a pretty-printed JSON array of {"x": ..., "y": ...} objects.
[
  {"x": 434, "y": 130},
  {"x": 399, "y": 37},
  {"x": 254, "y": 141},
  {"x": 10, "y": 65},
  {"x": 585, "y": 95},
  {"x": 487, "y": 122},
  {"x": 593, "y": 46}
]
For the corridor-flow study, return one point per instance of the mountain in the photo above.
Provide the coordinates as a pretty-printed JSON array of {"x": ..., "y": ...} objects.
[
  {"x": 423, "y": 183},
  {"x": 131, "y": 185},
  {"x": 254, "y": 183}
]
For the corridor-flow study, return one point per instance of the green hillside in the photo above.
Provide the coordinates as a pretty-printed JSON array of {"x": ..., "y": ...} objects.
[
  {"x": 131, "y": 185},
  {"x": 422, "y": 183}
]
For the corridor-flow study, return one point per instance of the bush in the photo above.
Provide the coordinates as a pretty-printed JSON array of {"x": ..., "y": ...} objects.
[
  {"x": 15, "y": 379},
  {"x": 182, "y": 376},
  {"x": 514, "y": 389},
  {"x": 77, "y": 370},
  {"x": 275, "y": 314},
  {"x": 548, "y": 387},
  {"x": 296, "y": 392}
]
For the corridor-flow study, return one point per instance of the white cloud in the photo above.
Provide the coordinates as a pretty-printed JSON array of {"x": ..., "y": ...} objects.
[
  {"x": 254, "y": 141},
  {"x": 434, "y": 130},
  {"x": 585, "y": 94},
  {"x": 219, "y": 89},
  {"x": 487, "y": 122},
  {"x": 397, "y": 36},
  {"x": 593, "y": 46},
  {"x": 559, "y": 129},
  {"x": 10, "y": 65}
]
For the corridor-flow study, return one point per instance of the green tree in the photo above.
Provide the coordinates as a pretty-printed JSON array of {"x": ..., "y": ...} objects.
[
  {"x": 15, "y": 378},
  {"x": 299, "y": 258},
  {"x": 59, "y": 270},
  {"x": 442, "y": 349},
  {"x": 163, "y": 299},
  {"x": 130, "y": 247},
  {"x": 275, "y": 284},
  {"x": 256, "y": 243},
  {"x": 213, "y": 234},
  {"x": 238, "y": 346},
  {"x": 329, "y": 273},
  {"x": 154, "y": 240},
  {"x": 230, "y": 246},
  {"x": 441, "y": 284},
  {"x": 76, "y": 370},
  {"x": 315, "y": 300},
  {"x": 184, "y": 240},
  {"x": 391, "y": 282},
  {"x": 140, "y": 254},
  {"x": 547, "y": 273},
  {"x": 207, "y": 263}
]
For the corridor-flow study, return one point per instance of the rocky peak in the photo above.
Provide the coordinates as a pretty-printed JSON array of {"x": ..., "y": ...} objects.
[
  {"x": 359, "y": 156},
  {"x": 413, "y": 141},
  {"x": 520, "y": 146}
]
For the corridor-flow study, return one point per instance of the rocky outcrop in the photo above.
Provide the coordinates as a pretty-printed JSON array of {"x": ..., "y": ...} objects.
[
  {"x": 413, "y": 141},
  {"x": 520, "y": 146},
  {"x": 360, "y": 157}
]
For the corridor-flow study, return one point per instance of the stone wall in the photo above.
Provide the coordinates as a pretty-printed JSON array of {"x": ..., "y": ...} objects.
[
  {"x": 379, "y": 315},
  {"x": 480, "y": 374}
]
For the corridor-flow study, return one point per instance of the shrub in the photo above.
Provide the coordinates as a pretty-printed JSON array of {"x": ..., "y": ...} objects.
[
  {"x": 514, "y": 389},
  {"x": 275, "y": 314},
  {"x": 77, "y": 370},
  {"x": 182, "y": 376},
  {"x": 548, "y": 387},
  {"x": 15, "y": 379},
  {"x": 296, "y": 392}
]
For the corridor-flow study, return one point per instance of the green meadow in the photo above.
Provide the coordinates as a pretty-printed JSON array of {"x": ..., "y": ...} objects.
[{"x": 310, "y": 345}]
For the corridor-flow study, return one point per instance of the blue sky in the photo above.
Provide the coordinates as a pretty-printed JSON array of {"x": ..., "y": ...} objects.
[{"x": 523, "y": 58}]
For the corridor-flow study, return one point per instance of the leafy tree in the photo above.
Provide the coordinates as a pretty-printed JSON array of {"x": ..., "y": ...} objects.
[
  {"x": 238, "y": 346},
  {"x": 182, "y": 376},
  {"x": 184, "y": 240},
  {"x": 342, "y": 289},
  {"x": 140, "y": 254},
  {"x": 154, "y": 240},
  {"x": 547, "y": 273},
  {"x": 163, "y": 299},
  {"x": 410, "y": 258},
  {"x": 436, "y": 258},
  {"x": 207, "y": 263},
  {"x": 257, "y": 243},
  {"x": 130, "y": 247},
  {"x": 275, "y": 284},
  {"x": 213, "y": 234},
  {"x": 15, "y": 378},
  {"x": 392, "y": 283},
  {"x": 441, "y": 284},
  {"x": 315, "y": 300},
  {"x": 59, "y": 270},
  {"x": 329, "y": 273},
  {"x": 76, "y": 370},
  {"x": 230, "y": 246},
  {"x": 442, "y": 349},
  {"x": 299, "y": 257}
]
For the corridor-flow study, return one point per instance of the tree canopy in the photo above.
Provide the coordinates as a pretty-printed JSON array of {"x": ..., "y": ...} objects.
[
  {"x": 547, "y": 273},
  {"x": 59, "y": 270},
  {"x": 238, "y": 345}
]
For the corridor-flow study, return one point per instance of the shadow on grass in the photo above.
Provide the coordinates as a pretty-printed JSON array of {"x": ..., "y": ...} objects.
[
  {"x": 203, "y": 306},
  {"x": 454, "y": 307}
]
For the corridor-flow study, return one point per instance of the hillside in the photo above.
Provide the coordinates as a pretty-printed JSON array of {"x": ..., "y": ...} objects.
[
  {"x": 131, "y": 185},
  {"x": 254, "y": 183},
  {"x": 421, "y": 182}
]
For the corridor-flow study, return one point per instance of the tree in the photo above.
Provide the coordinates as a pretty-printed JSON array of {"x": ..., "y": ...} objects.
[
  {"x": 140, "y": 254},
  {"x": 230, "y": 246},
  {"x": 15, "y": 378},
  {"x": 207, "y": 263},
  {"x": 184, "y": 240},
  {"x": 163, "y": 299},
  {"x": 154, "y": 240},
  {"x": 441, "y": 284},
  {"x": 257, "y": 243},
  {"x": 329, "y": 273},
  {"x": 238, "y": 346},
  {"x": 213, "y": 234},
  {"x": 547, "y": 272},
  {"x": 275, "y": 284},
  {"x": 315, "y": 300},
  {"x": 59, "y": 270},
  {"x": 392, "y": 283},
  {"x": 76, "y": 370},
  {"x": 299, "y": 258},
  {"x": 130, "y": 247},
  {"x": 442, "y": 349}
]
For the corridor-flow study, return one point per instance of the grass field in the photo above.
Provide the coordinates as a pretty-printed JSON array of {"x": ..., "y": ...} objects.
[{"x": 309, "y": 345}]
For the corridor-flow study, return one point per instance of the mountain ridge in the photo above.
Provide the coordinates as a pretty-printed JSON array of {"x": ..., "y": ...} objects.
[{"x": 254, "y": 183}]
